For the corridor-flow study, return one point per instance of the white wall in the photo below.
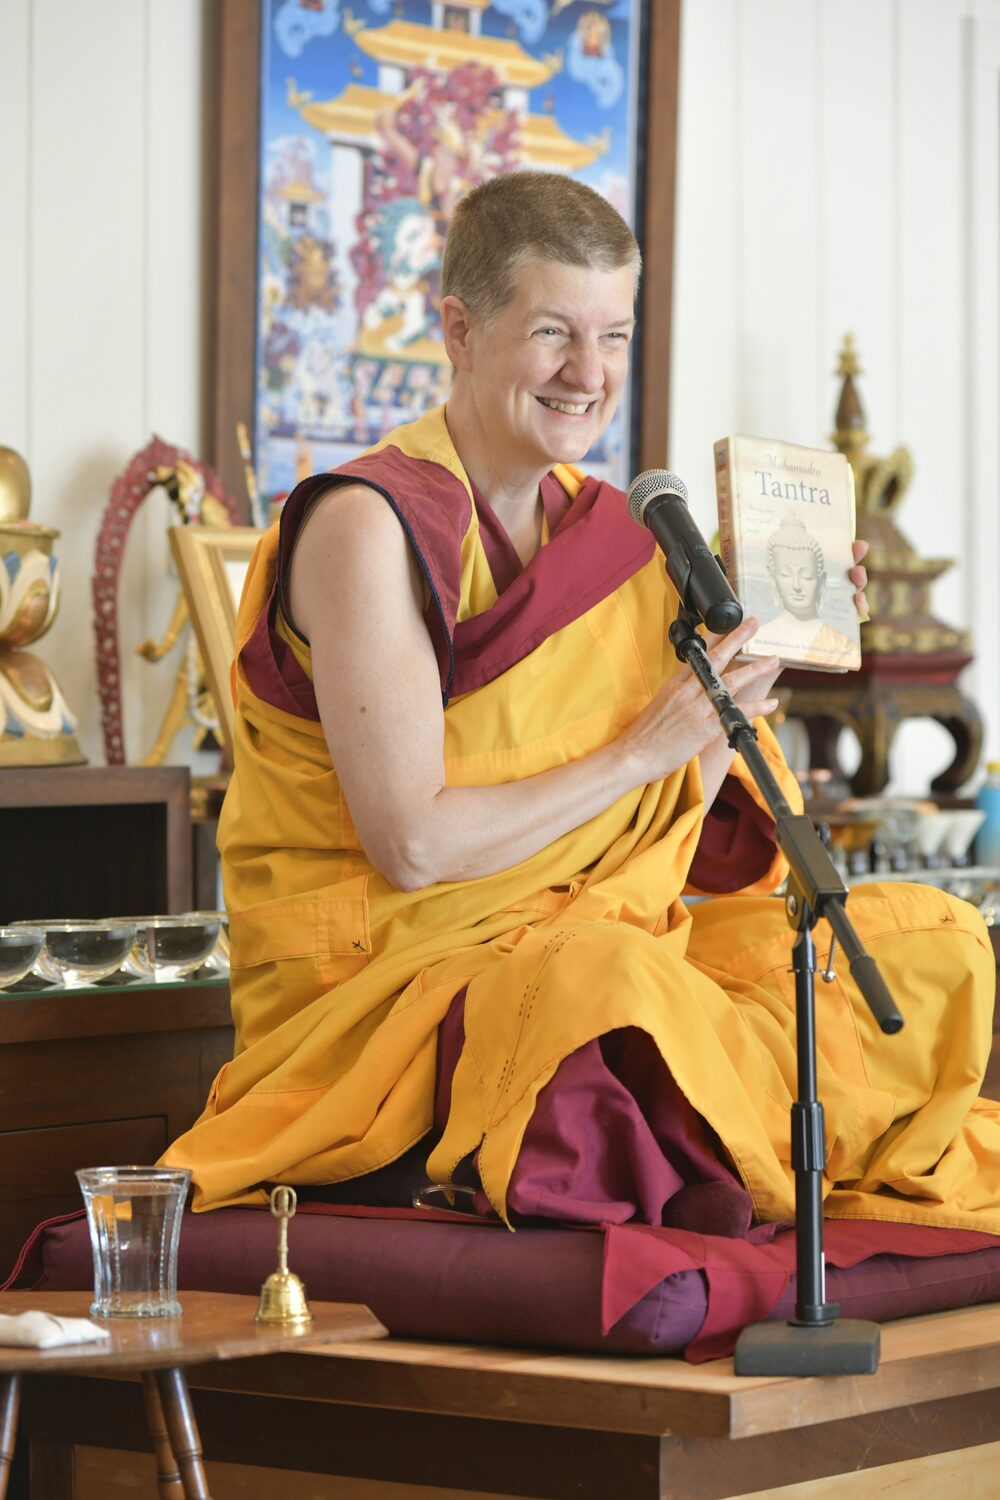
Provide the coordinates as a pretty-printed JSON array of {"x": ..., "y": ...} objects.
[
  {"x": 101, "y": 185},
  {"x": 838, "y": 173}
]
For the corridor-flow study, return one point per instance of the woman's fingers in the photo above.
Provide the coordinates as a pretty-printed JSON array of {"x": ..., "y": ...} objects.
[
  {"x": 722, "y": 648},
  {"x": 753, "y": 682},
  {"x": 748, "y": 683},
  {"x": 859, "y": 577}
]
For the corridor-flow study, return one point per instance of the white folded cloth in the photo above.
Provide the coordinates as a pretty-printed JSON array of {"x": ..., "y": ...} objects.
[{"x": 42, "y": 1330}]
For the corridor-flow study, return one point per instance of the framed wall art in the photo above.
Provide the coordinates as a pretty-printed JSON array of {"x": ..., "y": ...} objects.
[{"x": 346, "y": 133}]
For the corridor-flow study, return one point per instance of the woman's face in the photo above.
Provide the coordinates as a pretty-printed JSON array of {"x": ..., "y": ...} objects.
[
  {"x": 546, "y": 372},
  {"x": 797, "y": 578}
]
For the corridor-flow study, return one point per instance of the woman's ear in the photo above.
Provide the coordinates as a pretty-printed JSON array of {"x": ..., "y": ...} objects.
[{"x": 456, "y": 326}]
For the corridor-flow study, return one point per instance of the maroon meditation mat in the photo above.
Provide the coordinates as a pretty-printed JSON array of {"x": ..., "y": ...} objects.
[{"x": 618, "y": 1289}]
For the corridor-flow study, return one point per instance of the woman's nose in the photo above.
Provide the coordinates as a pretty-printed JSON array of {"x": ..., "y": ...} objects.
[{"x": 584, "y": 368}]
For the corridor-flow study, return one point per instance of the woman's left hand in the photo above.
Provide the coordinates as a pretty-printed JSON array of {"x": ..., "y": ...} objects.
[{"x": 859, "y": 577}]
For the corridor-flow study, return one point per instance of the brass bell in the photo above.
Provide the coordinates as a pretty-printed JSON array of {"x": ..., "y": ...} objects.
[{"x": 283, "y": 1297}]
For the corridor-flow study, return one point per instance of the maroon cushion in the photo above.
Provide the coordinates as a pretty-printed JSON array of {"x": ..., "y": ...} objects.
[{"x": 626, "y": 1289}]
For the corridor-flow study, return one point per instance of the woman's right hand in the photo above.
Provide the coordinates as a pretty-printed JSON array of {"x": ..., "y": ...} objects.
[{"x": 682, "y": 722}]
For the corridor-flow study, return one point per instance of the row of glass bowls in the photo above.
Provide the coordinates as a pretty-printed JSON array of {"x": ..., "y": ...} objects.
[{"x": 75, "y": 953}]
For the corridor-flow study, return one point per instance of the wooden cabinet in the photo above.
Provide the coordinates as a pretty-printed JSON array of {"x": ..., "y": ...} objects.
[
  {"x": 94, "y": 841},
  {"x": 94, "y": 1077}
]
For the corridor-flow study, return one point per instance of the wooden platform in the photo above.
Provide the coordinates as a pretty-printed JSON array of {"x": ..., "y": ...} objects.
[{"x": 459, "y": 1421}]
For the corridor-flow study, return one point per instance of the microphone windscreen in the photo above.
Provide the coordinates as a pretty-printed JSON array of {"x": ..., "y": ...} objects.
[{"x": 653, "y": 482}]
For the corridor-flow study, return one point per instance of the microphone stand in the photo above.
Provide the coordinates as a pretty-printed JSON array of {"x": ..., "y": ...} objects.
[{"x": 816, "y": 1341}]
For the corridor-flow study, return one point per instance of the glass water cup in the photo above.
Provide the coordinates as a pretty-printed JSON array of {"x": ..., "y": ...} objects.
[
  {"x": 20, "y": 950},
  {"x": 134, "y": 1216}
]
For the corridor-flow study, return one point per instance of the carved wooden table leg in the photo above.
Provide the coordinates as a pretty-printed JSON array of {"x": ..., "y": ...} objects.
[
  {"x": 966, "y": 729},
  {"x": 10, "y": 1406},
  {"x": 168, "y": 1480},
  {"x": 185, "y": 1440}
]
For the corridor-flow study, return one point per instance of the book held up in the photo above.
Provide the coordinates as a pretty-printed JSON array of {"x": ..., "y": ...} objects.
[{"x": 786, "y": 528}]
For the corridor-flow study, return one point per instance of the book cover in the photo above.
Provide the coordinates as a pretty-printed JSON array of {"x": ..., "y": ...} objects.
[{"x": 786, "y": 525}]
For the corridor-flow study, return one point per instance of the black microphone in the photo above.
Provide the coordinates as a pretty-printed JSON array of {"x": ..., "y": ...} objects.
[{"x": 658, "y": 500}]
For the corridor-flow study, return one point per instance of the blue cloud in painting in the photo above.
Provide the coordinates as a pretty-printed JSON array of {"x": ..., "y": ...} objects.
[
  {"x": 296, "y": 24},
  {"x": 530, "y": 17},
  {"x": 380, "y": 7},
  {"x": 621, "y": 12},
  {"x": 604, "y": 75}
]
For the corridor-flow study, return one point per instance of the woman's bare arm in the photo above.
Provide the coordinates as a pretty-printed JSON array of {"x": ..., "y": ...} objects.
[{"x": 356, "y": 594}]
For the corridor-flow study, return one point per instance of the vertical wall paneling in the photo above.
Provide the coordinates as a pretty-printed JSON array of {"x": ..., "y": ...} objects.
[
  {"x": 174, "y": 193},
  {"x": 87, "y": 294},
  {"x": 780, "y": 362},
  {"x": 981, "y": 81},
  {"x": 929, "y": 278},
  {"x": 15, "y": 189},
  {"x": 858, "y": 87},
  {"x": 703, "y": 380},
  {"x": 100, "y": 298},
  {"x": 929, "y": 390},
  {"x": 174, "y": 317}
]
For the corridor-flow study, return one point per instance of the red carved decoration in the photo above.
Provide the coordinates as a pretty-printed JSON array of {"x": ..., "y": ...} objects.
[{"x": 144, "y": 473}]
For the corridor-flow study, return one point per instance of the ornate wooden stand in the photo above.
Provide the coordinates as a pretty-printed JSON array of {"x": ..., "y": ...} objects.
[{"x": 873, "y": 702}]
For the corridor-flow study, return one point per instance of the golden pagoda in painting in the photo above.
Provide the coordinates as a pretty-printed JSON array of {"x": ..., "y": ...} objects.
[{"x": 453, "y": 39}]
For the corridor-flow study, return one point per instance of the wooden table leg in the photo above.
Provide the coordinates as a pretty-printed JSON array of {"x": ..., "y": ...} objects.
[
  {"x": 169, "y": 1483},
  {"x": 10, "y": 1407},
  {"x": 185, "y": 1439}
]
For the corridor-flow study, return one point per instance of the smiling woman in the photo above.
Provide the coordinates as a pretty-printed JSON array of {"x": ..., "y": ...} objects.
[
  {"x": 472, "y": 786},
  {"x": 537, "y": 330},
  {"x": 542, "y": 378}
]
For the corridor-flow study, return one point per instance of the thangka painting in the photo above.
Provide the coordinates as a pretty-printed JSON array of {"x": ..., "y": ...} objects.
[{"x": 376, "y": 116}]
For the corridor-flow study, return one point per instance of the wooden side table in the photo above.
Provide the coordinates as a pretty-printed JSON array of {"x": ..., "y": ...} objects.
[{"x": 214, "y": 1326}]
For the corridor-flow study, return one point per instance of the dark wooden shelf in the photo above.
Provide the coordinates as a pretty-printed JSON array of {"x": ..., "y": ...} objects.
[{"x": 95, "y": 841}]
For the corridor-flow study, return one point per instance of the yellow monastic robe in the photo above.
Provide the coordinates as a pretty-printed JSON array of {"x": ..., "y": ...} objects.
[{"x": 340, "y": 982}]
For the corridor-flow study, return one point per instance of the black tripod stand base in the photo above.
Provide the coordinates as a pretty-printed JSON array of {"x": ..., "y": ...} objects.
[{"x": 844, "y": 1347}]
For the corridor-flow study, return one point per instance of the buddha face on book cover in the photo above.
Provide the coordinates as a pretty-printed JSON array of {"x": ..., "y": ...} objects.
[
  {"x": 797, "y": 570},
  {"x": 797, "y": 574}
]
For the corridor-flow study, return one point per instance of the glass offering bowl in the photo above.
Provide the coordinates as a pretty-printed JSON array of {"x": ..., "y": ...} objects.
[
  {"x": 169, "y": 948},
  {"x": 79, "y": 952},
  {"x": 20, "y": 948},
  {"x": 218, "y": 960}
]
